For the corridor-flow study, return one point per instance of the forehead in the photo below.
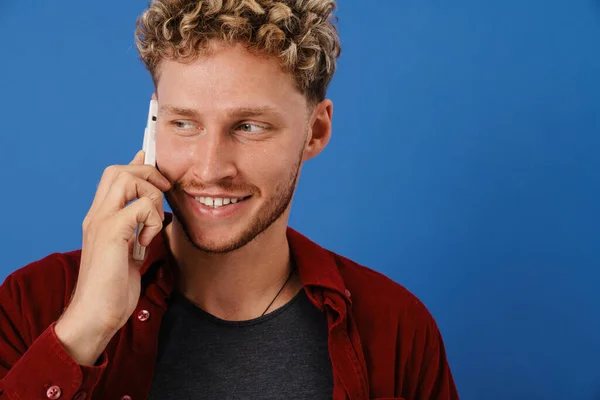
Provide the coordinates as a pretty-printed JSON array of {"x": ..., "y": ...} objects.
[{"x": 228, "y": 76}]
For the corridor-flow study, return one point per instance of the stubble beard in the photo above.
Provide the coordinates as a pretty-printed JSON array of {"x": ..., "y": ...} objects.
[{"x": 269, "y": 213}]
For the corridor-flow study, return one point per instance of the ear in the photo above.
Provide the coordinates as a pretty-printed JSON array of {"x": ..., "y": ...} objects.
[{"x": 319, "y": 129}]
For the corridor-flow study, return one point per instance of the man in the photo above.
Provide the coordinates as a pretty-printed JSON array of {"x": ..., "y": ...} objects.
[{"x": 229, "y": 302}]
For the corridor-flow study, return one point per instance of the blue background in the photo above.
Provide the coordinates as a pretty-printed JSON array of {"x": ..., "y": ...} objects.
[{"x": 463, "y": 164}]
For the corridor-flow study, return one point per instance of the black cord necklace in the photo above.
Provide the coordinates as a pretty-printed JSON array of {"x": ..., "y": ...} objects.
[{"x": 280, "y": 290}]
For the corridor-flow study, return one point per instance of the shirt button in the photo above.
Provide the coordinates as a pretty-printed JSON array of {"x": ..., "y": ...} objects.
[
  {"x": 53, "y": 392},
  {"x": 143, "y": 315},
  {"x": 126, "y": 397},
  {"x": 348, "y": 293},
  {"x": 80, "y": 396}
]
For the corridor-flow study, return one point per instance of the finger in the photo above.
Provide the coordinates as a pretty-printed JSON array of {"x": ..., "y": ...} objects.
[
  {"x": 146, "y": 172},
  {"x": 111, "y": 172},
  {"x": 148, "y": 233},
  {"x": 108, "y": 176},
  {"x": 127, "y": 188},
  {"x": 139, "y": 158},
  {"x": 144, "y": 212},
  {"x": 151, "y": 174}
]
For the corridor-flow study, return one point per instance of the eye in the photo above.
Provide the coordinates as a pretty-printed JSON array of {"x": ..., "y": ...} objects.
[
  {"x": 250, "y": 128},
  {"x": 183, "y": 125}
]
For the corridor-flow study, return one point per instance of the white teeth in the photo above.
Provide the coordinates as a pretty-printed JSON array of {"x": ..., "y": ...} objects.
[{"x": 217, "y": 202}]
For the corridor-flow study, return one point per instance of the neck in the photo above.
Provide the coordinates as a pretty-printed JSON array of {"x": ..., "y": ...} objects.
[{"x": 238, "y": 285}]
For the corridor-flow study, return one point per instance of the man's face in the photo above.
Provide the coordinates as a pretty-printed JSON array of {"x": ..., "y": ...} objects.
[{"x": 231, "y": 136}]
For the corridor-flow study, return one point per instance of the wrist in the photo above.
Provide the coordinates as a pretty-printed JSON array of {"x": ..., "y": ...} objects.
[{"x": 84, "y": 340}]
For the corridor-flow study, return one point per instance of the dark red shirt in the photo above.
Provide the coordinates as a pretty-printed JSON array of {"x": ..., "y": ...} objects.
[{"x": 383, "y": 342}]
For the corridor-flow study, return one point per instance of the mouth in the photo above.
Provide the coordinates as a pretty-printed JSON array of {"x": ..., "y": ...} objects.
[{"x": 218, "y": 202}]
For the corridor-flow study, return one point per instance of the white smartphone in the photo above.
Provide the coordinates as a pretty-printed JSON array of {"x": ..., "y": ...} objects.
[{"x": 149, "y": 147}]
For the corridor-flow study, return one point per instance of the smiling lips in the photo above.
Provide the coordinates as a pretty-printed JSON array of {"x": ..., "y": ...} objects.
[{"x": 216, "y": 202}]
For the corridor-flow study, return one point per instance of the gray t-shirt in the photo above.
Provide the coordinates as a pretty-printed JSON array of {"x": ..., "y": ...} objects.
[{"x": 282, "y": 355}]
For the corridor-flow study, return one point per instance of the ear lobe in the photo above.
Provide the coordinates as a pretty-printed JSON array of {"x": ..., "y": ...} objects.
[{"x": 320, "y": 129}]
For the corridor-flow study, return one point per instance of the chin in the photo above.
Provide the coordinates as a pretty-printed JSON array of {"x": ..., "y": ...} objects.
[
  {"x": 219, "y": 237},
  {"x": 218, "y": 240}
]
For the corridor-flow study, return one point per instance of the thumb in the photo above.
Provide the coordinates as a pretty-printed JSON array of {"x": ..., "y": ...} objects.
[{"x": 139, "y": 158}]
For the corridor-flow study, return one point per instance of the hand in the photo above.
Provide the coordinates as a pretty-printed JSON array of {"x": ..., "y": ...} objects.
[{"x": 108, "y": 286}]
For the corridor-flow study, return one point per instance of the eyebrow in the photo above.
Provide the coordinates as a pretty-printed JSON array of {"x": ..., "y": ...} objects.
[
  {"x": 237, "y": 113},
  {"x": 186, "y": 112}
]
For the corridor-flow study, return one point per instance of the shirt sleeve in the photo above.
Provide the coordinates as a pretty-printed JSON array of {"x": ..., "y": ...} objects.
[
  {"x": 39, "y": 367},
  {"x": 436, "y": 381}
]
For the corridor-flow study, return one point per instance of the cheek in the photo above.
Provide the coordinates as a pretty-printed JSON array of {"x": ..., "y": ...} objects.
[
  {"x": 172, "y": 159},
  {"x": 273, "y": 165}
]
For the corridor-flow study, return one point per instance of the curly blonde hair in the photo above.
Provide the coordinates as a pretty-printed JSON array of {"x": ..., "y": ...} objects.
[{"x": 300, "y": 33}]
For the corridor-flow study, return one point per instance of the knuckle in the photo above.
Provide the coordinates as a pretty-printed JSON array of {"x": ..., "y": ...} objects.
[
  {"x": 154, "y": 174},
  {"x": 89, "y": 222},
  {"x": 123, "y": 176},
  {"x": 86, "y": 223},
  {"x": 146, "y": 202},
  {"x": 156, "y": 195},
  {"x": 110, "y": 171}
]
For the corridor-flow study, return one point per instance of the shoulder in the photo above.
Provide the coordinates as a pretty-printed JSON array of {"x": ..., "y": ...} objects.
[
  {"x": 40, "y": 290},
  {"x": 49, "y": 273},
  {"x": 396, "y": 331},
  {"x": 378, "y": 300}
]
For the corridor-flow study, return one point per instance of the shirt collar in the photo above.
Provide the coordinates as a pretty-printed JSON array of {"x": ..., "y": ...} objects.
[{"x": 317, "y": 266}]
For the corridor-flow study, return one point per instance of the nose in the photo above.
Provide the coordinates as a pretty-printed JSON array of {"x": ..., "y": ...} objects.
[{"x": 215, "y": 158}]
